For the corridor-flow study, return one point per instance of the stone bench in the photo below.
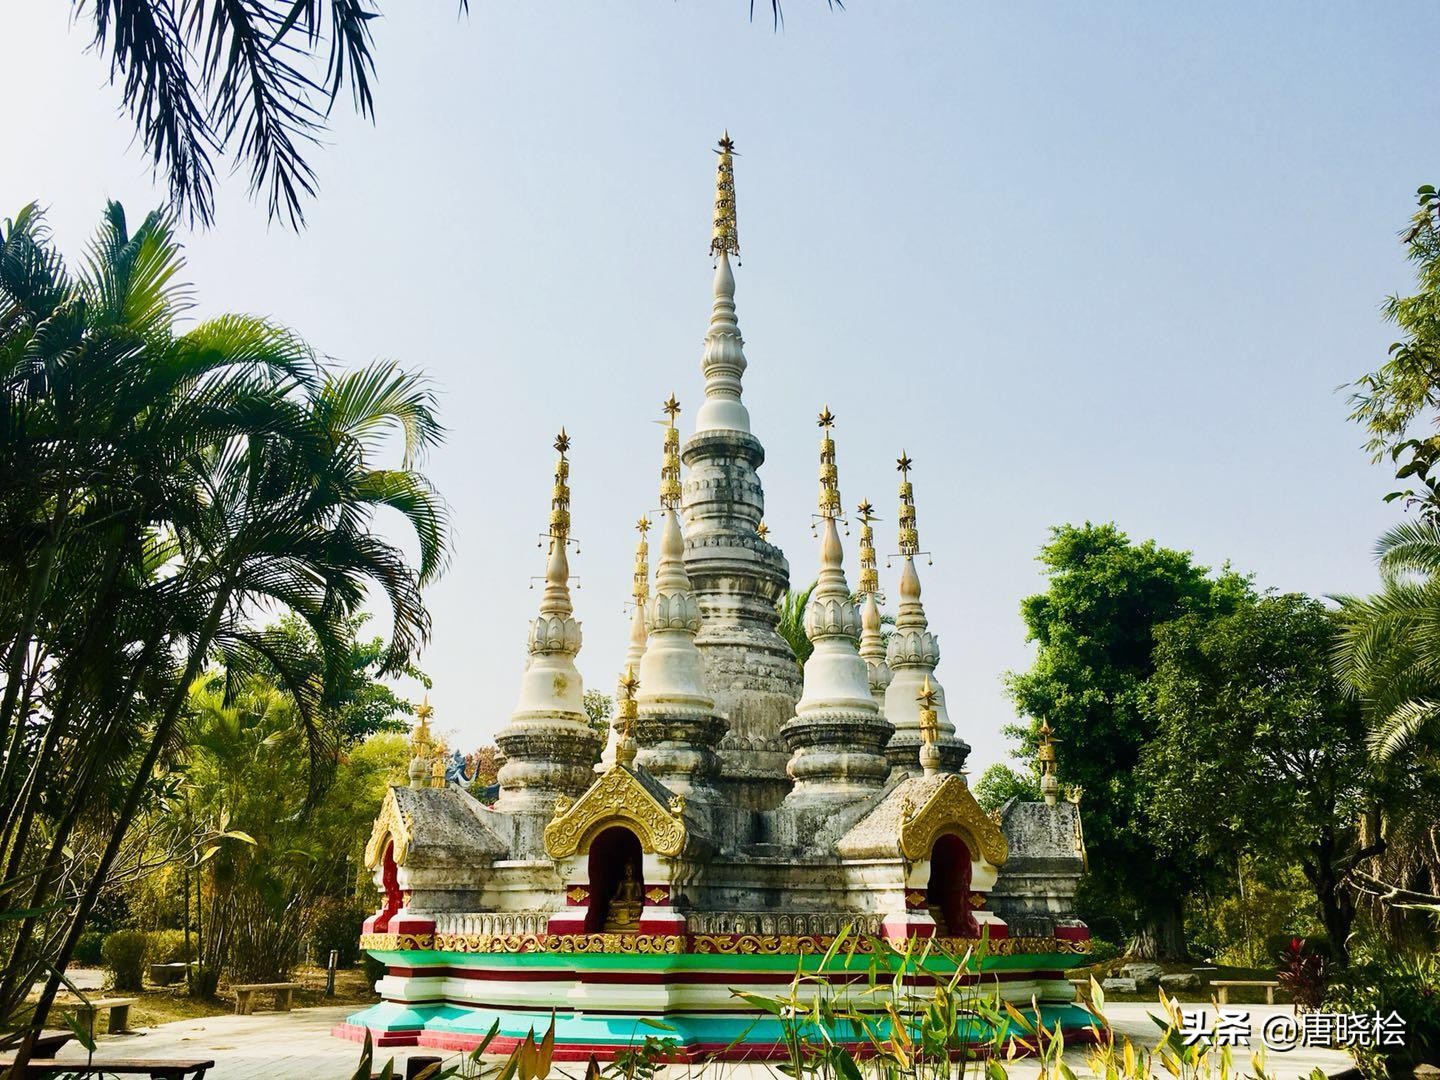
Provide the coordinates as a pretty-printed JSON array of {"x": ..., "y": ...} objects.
[
  {"x": 157, "y": 1069},
  {"x": 245, "y": 995},
  {"x": 118, "y": 1008},
  {"x": 1223, "y": 988}
]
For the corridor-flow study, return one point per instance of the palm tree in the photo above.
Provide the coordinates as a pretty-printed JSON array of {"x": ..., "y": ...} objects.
[
  {"x": 157, "y": 489},
  {"x": 206, "y": 82},
  {"x": 1389, "y": 647},
  {"x": 791, "y": 607},
  {"x": 1388, "y": 654}
]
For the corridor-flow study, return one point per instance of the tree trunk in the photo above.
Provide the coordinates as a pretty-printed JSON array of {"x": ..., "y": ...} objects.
[{"x": 1161, "y": 934}]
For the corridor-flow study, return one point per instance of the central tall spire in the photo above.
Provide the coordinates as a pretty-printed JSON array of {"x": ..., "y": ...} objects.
[
  {"x": 724, "y": 361},
  {"x": 736, "y": 574}
]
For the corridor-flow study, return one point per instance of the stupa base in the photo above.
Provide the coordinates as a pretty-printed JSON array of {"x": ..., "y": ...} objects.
[{"x": 605, "y": 1002}]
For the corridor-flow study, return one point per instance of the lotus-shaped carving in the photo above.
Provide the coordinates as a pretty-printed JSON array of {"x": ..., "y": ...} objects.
[
  {"x": 555, "y": 633},
  {"x": 913, "y": 647},
  {"x": 830, "y": 617},
  {"x": 675, "y": 611}
]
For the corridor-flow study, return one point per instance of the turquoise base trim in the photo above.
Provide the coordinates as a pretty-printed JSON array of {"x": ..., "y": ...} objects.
[{"x": 456, "y": 1026}]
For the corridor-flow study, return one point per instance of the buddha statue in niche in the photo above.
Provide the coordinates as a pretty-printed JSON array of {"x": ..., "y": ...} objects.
[{"x": 623, "y": 914}]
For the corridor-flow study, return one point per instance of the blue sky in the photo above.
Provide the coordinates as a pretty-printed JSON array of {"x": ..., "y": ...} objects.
[{"x": 1104, "y": 262}]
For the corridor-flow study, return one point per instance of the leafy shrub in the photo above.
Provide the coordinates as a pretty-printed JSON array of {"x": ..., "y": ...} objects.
[
  {"x": 336, "y": 925},
  {"x": 87, "y": 949},
  {"x": 124, "y": 953},
  {"x": 1384, "y": 981},
  {"x": 168, "y": 947},
  {"x": 1303, "y": 973},
  {"x": 1102, "y": 951}
]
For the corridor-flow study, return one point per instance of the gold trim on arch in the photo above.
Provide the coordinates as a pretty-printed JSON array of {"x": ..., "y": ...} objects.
[
  {"x": 394, "y": 825},
  {"x": 617, "y": 798},
  {"x": 952, "y": 809}
]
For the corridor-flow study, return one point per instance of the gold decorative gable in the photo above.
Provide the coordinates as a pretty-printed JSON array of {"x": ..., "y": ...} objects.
[
  {"x": 617, "y": 798},
  {"x": 393, "y": 825},
  {"x": 952, "y": 809}
]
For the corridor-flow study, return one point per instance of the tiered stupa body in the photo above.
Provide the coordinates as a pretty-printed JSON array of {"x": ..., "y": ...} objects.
[{"x": 740, "y": 814}]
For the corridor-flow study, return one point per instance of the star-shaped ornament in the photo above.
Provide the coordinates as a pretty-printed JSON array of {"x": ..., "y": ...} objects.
[
  {"x": 903, "y": 463},
  {"x": 826, "y": 418},
  {"x": 671, "y": 407},
  {"x": 866, "y": 512},
  {"x": 562, "y": 441}
]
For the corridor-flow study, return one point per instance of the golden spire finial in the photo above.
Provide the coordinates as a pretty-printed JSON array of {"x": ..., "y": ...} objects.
[
  {"x": 869, "y": 574},
  {"x": 762, "y": 530},
  {"x": 929, "y": 721},
  {"x": 725, "y": 236},
  {"x": 640, "y": 589},
  {"x": 627, "y": 712},
  {"x": 829, "y": 476},
  {"x": 560, "y": 496},
  {"x": 422, "y": 743},
  {"x": 670, "y": 469},
  {"x": 1045, "y": 756},
  {"x": 928, "y": 697},
  {"x": 909, "y": 534}
]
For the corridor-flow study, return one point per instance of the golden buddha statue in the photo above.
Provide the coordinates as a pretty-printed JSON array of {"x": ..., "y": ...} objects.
[{"x": 623, "y": 914}]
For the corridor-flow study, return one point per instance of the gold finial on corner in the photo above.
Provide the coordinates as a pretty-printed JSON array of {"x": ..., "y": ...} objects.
[
  {"x": 929, "y": 719},
  {"x": 1045, "y": 756},
  {"x": 422, "y": 742},
  {"x": 627, "y": 711},
  {"x": 869, "y": 574},
  {"x": 762, "y": 530},
  {"x": 670, "y": 469},
  {"x": 725, "y": 235},
  {"x": 829, "y": 503}
]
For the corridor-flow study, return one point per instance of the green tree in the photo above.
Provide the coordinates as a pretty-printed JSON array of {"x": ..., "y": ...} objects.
[
  {"x": 999, "y": 783},
  {"x": 1257, "y": 749},
  {"x": 599, "y": 708},
  {"x": 245, "y": 768},
  {"x": 1399, "y": 403},
  {"x": 156, "y": 489},
  {"x": 1094, "y": 628}
]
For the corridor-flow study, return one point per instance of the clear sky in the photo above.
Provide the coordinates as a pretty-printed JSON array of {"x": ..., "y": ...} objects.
[{"x": 1082, "y": 261}]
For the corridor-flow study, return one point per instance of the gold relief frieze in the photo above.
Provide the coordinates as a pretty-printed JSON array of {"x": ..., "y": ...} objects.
[
  {"x": 708, "y": 944},
  {"x": 560, "y": 943},
  {"x": 395, "y": 942}
]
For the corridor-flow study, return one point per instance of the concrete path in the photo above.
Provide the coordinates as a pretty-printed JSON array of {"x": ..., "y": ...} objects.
[{"x": 298, "y": 1044}]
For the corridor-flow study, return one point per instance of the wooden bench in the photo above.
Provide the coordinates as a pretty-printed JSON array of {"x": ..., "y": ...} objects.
[
  {"x": 245, "y": 995},
  {"x": 1224, "y": 985},
  {"x": 47, "y": 1043},
  {"x": 118, "y": 1008},
  {"x": 156, "y": 1069}
]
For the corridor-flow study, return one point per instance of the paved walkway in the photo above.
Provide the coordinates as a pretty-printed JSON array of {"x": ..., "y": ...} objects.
[{"x": 298, "y": 1044}]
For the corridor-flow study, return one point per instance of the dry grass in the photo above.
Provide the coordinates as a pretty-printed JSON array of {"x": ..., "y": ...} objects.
[{"x": 163, "y": 1004}]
